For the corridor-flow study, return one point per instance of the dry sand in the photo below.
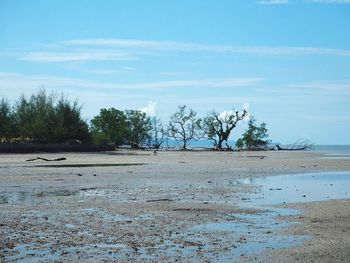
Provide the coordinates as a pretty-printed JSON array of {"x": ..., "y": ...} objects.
[{"x": 139, "y": 206}]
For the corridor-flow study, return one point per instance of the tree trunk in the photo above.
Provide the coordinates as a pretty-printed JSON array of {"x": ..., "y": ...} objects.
[
  {"x": 219, "y": 145},
  {"x": 184, "y": 146}
]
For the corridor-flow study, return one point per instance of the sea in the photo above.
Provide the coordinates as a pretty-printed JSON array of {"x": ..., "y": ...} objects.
[
  {"x": 333, "y": 149},
  {"x": 327, "y": 149}
]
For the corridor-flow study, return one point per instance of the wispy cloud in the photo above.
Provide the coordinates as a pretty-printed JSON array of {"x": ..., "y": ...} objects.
[
  {"x": 20, "y": 82},
  {"x": 273, "y": 2},
  {"x": 331, "y": 1},
  {"x": 100, "y": 49},
  {"x": 151, "y": 45},
  {"x": 202, "y": 83},
  {"x": 96, "y": 55},
  {"x": 338, "y": 87}
]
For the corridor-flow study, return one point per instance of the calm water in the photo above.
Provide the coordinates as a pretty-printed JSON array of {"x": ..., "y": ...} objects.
[
  {"x": 328, "y": 149},
  {"x": 276, "y": 190},
  {"x": 333, "y": 149}
]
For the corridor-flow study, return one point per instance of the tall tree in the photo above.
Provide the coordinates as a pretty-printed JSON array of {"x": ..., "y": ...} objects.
[
  {"x": 68, "y": 123},
  {"x": 6, "y": 120},
  {"x": 109, "y": 127},
  {"x": 44, "y": 119},
  {"x": 157, "y": 133},
  {"x": 255, "y": 137},
  {"x": 34, "y": 116},
  {"x": 184, "y": 126},
  {"x": 138, "y": 127},
  {"x": 218, "y": 126}
]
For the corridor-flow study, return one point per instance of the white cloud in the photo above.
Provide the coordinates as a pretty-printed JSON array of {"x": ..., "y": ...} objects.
[
  {"x": 202, "y": 83},
  {"x": 246, "y": 107},
  {"x": 77, "y": 56},
  {"x": 317, "y": 87},
  {"x": 273, "y": 2},
  {"x": 84, "y": 50},
  {"x": 172, "y": 46},
  {"x": 21, "y": 81},
  {"x": 150, "y": 109},
  {"x": 224, "y": 115},
  {"x": 331, "y": 1}
]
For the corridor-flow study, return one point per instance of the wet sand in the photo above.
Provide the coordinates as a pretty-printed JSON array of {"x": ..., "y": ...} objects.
[
  {"x": 139, "y": 206},
  {"x": 327, "y": 224}
]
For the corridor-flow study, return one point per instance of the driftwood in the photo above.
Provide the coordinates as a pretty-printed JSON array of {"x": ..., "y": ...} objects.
[
  {"x": 160, "y": 200},
  {"x": 47, "y": 160},
  {"x": 291, "y": 149},
  {"x": 295, "y": 148}
]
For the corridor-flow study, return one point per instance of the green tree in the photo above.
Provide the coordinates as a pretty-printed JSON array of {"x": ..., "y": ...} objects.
[
  {"x": 67, "y": 122},
  {"x": 109, "y": 127},
  {"x": 34, "y": 117},
  {"x": 138, "y": 127},
  {"x": 255, "y": 137},
  {"x": 184, "y": 126},
  {"x": 7, "y": 126},
  {"x": 157, "y": 134},
  {"x": 44, "y": 119},
  {"x": 218, "y": 126}
]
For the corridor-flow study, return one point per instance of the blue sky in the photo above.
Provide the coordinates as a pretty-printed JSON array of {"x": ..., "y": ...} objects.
[{"x": 288, "y": 61}]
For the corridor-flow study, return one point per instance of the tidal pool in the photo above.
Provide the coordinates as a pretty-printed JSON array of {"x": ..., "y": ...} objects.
[
  {"x": 261, "y": 230},
  {"x": 275, "y": 190}
]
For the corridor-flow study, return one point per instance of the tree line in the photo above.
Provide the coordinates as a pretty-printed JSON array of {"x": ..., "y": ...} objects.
[{"x": 48, "y": 118}]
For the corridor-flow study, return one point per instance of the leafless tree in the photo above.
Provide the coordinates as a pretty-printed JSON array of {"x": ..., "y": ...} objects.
[
  {"x": 218, "y": 126},
  {"x": 184, "y": 125},
  {"x": 157, "y": 133}
]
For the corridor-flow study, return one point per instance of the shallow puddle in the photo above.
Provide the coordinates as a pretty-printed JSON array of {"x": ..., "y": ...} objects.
[
  {"x": 275, "y": 190},
  {"x": 261, "y": 230},
  {"x": 252, "y": 233}
]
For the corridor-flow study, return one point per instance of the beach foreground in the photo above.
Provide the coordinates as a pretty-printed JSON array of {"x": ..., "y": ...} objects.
[{"x": 170, "y": 206}]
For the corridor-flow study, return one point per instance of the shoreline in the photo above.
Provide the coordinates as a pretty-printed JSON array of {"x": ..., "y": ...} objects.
[{"x": 147, "y": 209}]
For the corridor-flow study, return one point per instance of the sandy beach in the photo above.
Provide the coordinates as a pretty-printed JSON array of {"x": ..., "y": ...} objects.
[{"x": 144, "y": 207}]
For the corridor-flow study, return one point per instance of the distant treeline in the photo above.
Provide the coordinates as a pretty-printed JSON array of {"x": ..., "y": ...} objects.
[
  {"x": 44, "y": 118},
  {"x": 53, "y": 147}
]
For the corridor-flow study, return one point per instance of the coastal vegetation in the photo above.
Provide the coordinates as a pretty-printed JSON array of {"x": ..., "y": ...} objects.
[
  {"x": 255, "y": 137},
  {"x": 184, "y": 126},
  {"x": 42, "y": 118},
  {"x": 51, "y": 119}
]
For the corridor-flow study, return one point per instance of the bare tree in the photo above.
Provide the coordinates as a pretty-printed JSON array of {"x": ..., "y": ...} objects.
[
  {"x": 184, "y": 125},
  {"x": 218, "y": 126},
  {"x": 157, "y": 133}
]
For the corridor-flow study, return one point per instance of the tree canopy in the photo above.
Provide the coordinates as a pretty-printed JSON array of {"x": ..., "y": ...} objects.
[
  {"x": 218, "y": 126},
  {"x": 184, "y": 126},
  {"x": 7, "y": 124},
  {"x": 138, "y": 127},
  {"x": 109, "y": 127},
  {"x": 255, "y": 137},
  {"x": 42, "y": 118},
  {"x": 157, "y": 134}
]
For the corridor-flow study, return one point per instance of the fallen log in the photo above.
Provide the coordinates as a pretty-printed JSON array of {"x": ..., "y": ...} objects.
[
  {"x": 292, "y": 149},
  {"x": 160, "y": 200},
  {"x": 47, "y": 160}
]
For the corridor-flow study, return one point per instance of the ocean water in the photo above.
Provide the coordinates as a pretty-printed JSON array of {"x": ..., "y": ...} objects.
[
  {"x": 328, "y": 149},
  {"x": 333, "y": 149}
]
